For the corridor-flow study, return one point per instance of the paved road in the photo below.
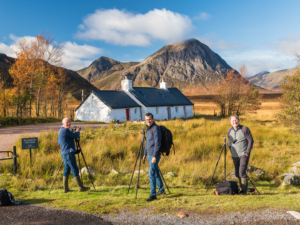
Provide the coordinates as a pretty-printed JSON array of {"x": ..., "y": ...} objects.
[{"x": 8, "y": 136}]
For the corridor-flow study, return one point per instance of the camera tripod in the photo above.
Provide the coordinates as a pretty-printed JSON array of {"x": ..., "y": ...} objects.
[
  {"x": 139, "y": 156},
  {"x": 78, "y": 150},
  {"x": 224, "y": 148}
]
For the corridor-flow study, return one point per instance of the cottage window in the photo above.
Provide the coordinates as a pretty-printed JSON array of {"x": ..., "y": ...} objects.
[
  {"x": 157, "y": 110},
  {"x": 134, "y": 111},
  {"x": 176, "y": 108}
]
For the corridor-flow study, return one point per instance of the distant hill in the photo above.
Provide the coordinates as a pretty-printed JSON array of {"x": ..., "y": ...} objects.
[
  {"x": 75, "y": 80},
  {"x": 271, "y": 81},
  {"x": 258, "y": 74},
  {"x": 190, "y": 65},
  {"x": 102, "y": 68}
]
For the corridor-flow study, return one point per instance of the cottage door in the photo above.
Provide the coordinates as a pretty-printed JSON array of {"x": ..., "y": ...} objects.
[
  {"x": 169, "y": 112},
  {"x": 127, "y": 115},
  {"x": 184, "y": 109}
]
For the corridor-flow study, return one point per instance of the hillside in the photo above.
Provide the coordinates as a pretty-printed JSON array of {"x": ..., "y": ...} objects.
[
  {"x": 103, "y": 67},
  {"x": 188, "y": 65},
  {"x": 75, "y": 80},
  {"x": 271, "y": 81}
]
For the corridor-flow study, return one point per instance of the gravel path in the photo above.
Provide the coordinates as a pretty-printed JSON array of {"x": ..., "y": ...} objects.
[
  {"x": 36, "y": 214},
  {"x": 9, "y": 135}
]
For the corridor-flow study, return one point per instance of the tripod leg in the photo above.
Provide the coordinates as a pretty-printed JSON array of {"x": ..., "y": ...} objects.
[
  {"x": 137, "y": 157},
  {"x": 56, "y": 176},
  {"x": 79, "y": 167},
  {"x": 253, "y": 184},
  {"x": 164, "y": 180},
  {"x": 88, "y": 171},
  {"x": 215, "y": 168},
  {"x": 138, "y": 180}
]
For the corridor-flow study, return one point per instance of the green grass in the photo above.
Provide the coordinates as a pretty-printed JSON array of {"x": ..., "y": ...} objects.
[
  {"x": 13, "y": 121},
  {"x": 198, "y": 143}
]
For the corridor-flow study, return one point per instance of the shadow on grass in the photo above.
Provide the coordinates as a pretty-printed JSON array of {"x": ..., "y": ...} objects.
[{"x": 37, "y": 201}]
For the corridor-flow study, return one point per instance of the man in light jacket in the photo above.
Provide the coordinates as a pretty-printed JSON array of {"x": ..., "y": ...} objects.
[{"x": 240, "y": 143}]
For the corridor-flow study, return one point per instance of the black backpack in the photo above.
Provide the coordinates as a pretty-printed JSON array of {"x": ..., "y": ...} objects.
[
  {"x": 5, "y": 198},
  {"x": 227, "y": 188},
  {"x": 166, "y": 140}
]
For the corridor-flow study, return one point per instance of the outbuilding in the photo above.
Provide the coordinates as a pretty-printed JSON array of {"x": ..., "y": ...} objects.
[{"x": 104, "y": 106}]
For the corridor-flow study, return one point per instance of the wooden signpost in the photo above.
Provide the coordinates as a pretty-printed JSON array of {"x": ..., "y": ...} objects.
[{"x": 30, "y": 143}]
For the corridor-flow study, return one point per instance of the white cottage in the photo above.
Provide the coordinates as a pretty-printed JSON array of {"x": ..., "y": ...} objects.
[
  {"x": 105, "y": 106},
  {"x": 164, "y": 103}
]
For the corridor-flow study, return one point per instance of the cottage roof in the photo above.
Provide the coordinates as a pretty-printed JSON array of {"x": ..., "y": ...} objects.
[
  {"x": 150, "y": 96},
  {"x": 114, "y": 99}
]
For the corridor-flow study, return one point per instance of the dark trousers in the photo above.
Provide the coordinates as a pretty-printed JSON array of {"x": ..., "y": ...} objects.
[
  {"x": 70, "y": 164},
  {"x": 240, "y": 164}
]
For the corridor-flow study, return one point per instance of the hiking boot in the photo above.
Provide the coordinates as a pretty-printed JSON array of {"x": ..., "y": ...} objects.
[
  {"x": 244, "y": 185},
  {"x": 65, "y": 182},
  {"x": 80, "y": 184},
  {"x": 161, "y": 193},
  {"x": 151, "y": 198}
]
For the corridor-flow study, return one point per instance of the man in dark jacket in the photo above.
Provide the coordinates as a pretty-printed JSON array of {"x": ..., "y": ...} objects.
[
  {"x": 67, "y": 148},
  {"x": 153, "y": 143},
  {"x": 240, "y": 143}
]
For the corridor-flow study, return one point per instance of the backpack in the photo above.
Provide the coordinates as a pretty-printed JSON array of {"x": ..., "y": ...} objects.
[
  {"x": 166, "y": 140},
  {"x": 6, "y": 198},
  {"x": 227, "y": 188}
]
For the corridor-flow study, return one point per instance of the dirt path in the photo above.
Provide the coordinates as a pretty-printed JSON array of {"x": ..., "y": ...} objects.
[
  {"x": 37, "y": 214},
  {"x": 9, "y": 135}
]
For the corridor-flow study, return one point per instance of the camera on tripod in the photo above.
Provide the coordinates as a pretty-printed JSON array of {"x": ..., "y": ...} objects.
[{"x": 73, "y": 129}]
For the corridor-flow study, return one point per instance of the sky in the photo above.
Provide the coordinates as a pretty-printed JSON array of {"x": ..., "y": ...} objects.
[{"x": 263, "y": 35}]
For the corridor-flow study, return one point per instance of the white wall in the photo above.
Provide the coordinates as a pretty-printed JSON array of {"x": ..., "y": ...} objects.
[{"x": 93, "y": 109}]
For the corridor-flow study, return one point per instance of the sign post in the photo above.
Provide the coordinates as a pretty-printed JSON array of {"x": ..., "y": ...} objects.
[{"x": 30, "y": 143}]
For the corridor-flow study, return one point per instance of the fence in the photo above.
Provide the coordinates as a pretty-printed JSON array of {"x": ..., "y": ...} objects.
[{"x": 13, "y": 156}]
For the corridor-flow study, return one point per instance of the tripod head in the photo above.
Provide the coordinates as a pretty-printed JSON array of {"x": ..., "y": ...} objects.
[{"x": 143, "y": 132}]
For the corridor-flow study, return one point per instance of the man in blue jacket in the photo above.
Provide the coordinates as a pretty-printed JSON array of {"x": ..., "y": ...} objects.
[
  {"x": 67, "y": 148},
  {"x": 153, "y": 143}
]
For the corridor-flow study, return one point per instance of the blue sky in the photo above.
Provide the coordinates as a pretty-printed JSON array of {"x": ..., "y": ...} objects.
[{"x": 263, "y": 35}]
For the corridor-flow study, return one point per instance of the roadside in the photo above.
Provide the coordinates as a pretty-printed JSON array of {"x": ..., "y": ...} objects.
[
  {"x": 9, "y": 135},
  {"x": 37, "y": 214}
]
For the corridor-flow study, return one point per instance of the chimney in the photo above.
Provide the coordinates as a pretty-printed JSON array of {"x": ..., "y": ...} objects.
[
  {"x": 163, "y": 85},
  {"x": 126, "y": 84}
]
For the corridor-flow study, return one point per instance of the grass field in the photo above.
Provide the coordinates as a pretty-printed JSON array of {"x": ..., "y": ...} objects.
[{"x": 198, "y": 143}]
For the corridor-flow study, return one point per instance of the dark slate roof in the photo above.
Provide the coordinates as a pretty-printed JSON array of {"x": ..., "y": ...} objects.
[
  {"x": 150, "y": 96},
  {"x": 114, "y": 99}
]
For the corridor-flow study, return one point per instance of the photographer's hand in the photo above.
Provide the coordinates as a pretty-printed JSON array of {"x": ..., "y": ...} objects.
[
  {"x": 153, "y": 160},
  {"x": 78, "y": 129},
  {"x": 246, "y": 155}
]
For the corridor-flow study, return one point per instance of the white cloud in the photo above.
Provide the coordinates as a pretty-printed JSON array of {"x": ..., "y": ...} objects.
[
  {"x": 74, "y": 50},
  {"x": 288, "y": 45},
  {"x": 124, "y": 28},
  {"x": 259, "y": 60},
  {"x": 75, "y": 56},
  {"x": 203, "y": 16},
  {"x": 212, "y": 41}
]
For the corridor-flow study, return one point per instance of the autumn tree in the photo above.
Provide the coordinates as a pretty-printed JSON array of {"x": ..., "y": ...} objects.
[
  {"x": 235, "y": 95},
  {"x": 290, "y": 99}
]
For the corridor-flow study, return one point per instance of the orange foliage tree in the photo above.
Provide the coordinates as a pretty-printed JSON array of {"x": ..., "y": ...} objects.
[{"x": 235, "y": 95}]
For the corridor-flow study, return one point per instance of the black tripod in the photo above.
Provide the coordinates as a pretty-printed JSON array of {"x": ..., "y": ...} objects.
[
  {"x": 139, "y": 155},
  {"x": 78, "y": 150},
  {"x": 223, "y": 147}
]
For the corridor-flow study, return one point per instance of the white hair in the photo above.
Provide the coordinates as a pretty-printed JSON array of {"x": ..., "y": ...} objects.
[
  {"x": 235, "y": 117},
  {"x": 65, "y": 119}
]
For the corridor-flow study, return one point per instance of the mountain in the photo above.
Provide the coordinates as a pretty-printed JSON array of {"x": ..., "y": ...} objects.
[
  {"x": 271, "y": 81},
  {"x": 103, "y": 67},
  {"x": 258, "y": 74},
  {"x": 75, "y": 80},
  {"x": 190, "y": 65}
]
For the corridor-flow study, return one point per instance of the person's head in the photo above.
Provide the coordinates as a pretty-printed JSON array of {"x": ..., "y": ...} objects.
[
  {"x": 66, "y": 123},
  {"x": 234, "y": 120},
  {"x": 149, "y": 119}
]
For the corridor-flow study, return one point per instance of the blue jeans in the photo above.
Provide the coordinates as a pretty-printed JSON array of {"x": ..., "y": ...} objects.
[
  {"x": 154, "y": 176},
  {"x": 70, "y": 164}
]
